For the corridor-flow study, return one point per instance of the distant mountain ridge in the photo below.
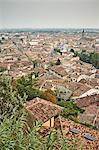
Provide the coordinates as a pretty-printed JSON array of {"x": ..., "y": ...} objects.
[{"x": 67, "y": 30}]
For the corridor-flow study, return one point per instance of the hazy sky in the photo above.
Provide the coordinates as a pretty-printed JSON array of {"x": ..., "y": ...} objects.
[{"x": 49, "y": 13}]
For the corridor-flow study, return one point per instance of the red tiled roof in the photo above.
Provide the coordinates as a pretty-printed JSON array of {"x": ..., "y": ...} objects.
[
  {"x": 42, "y": 110},
  {"x": 86, "y": 101},
  {"x": 59, "y": 70},
  {"x": 68, "y": 125},
  {"x": 90, "y": 115}
]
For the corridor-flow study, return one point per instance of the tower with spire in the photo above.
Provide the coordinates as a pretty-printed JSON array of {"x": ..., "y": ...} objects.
[{"x": 83, "y": 33}]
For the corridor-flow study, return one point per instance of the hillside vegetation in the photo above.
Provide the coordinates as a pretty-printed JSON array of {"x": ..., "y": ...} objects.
[{"x": 13, "y": 134}]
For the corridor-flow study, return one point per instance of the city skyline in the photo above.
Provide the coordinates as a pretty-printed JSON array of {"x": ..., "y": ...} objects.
[{"x": 49, "y": 14}]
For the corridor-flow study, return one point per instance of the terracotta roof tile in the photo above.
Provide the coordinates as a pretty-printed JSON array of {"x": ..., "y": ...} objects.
[
  {"x": 42, "y": 110},
  {"x": 88, "y": 144}
]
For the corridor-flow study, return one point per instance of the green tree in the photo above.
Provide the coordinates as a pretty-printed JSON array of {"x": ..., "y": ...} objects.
[
  {"x": 72, "y": 50},
  {"x": 71, "y": 110},
  {"x": 49, "y": 95},
  {"x": 9, "y": 98},
  {"x": 95, "y": 59},
  {"x": 2, "y": 69},
  {"x": 28, "y": 85},
  {"x": 35, "y": 62},
  {"x": 57, "y": 50},
  {"x": 15, "y": 133},
  {"x": 58, "y": 62}
]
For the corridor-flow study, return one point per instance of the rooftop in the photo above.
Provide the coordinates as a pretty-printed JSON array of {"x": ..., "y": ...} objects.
[
  {"x": 41, "y": 109},
  {"x": 87, "y": 100},
  {"x": 85, "y": 136}
]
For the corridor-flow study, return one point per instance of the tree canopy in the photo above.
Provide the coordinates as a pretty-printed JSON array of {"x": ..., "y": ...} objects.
[{"x": 13, "y": 134}]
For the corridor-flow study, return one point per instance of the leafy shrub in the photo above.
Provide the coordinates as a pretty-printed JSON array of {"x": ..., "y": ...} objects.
[
  {"x": 13, "y": 132},
  {"x": 28, "y": 85},
  {"x": 50, "y": 96},
  {"x": 70, "y": 109},
  {"x": 2, "y": 69}
]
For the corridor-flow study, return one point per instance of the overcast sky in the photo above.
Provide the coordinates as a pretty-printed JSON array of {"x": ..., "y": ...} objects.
[{"x": 49, "y": 13}]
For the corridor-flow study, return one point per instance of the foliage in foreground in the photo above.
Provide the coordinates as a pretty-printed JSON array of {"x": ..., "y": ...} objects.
[
  {"x": 28, "y": 85},
  {"x": 13, "y": 132},
  {"x": 13, "y": 137},
  {"x": 10, "y": 100}
]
